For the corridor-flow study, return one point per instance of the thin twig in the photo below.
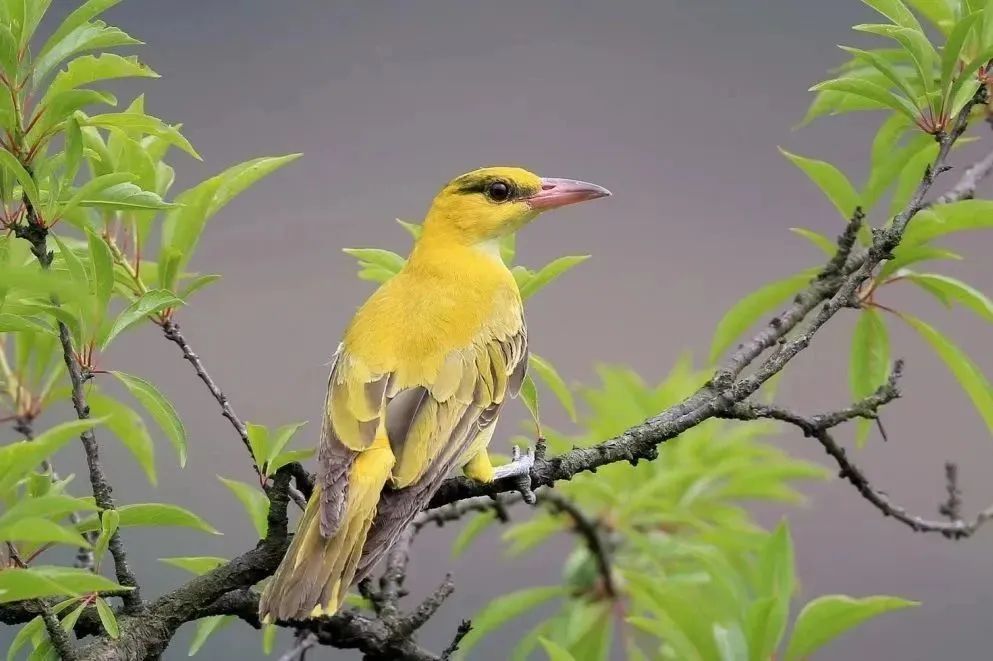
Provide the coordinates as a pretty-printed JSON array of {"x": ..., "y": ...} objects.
[
  {"x": 175, "y": 335},
  {"x": 465, "y": 626},
  {"x": 589, "y": 530},
  {"x": 965, "y": 188},
  {"x": 818, "y": 427},
  {"x": 299, "y": 649}
]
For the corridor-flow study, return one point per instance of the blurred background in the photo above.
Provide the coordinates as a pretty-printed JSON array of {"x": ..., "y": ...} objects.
[{"x": 678, "y": 108}]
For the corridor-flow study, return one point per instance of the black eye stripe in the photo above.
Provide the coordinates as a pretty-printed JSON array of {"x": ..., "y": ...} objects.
[{"x": 481, "y": 185}]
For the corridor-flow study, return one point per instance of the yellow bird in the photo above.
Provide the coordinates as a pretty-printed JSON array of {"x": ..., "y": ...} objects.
[{"x": 417, "y": 385}]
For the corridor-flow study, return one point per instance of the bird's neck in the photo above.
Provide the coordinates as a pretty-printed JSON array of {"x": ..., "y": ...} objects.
[{"x": 442, "y": 247}]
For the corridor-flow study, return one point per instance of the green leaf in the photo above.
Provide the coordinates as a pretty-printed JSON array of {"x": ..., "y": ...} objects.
[
  {"x": 85, "y": 12},
  {"x": 110, "y": 520},
  {"x": 505, "y": 608},
  {"x": 869, "y": 363},
  {"x": 108, "y": 619},
  {"x": 555, "y": 652},
  {"x": 529, "y": 395},
  {"x": 287, "y": 457},
  {"x": 255, "y": 502},
  {"x": 8, "y": 54},
  {"x": 826, "y": 245},
  {"x": 129, "y": 429},
  {"x": 206, "y": 628},
  {"x": 910, "y": 177},
  {"x": 153, "y": 515},
  {"x": 385, "y": 259},
  {"x": 27, "y": 183},
  {"x": 730, "y": 642},
  {"x": 282, "y": 437},
  {"x": 884, "y": 67},
  {"x": 943, "y": 219},
  {"x": 832, "y": 182},
  {"x": 752, "y": 307},
  {"x": 939, "y": 12},
  {"x": 73, "y": 151},
  {"x": 904, "y": 256},
  {"x": 825, "y": 618},
  {"x": 150, "y": 303},
  {"x": 269, "y": 632},
  {"x": 92, "y": 68},
  {"x": 50, "y": 506},
  {"x": 471, "y": 530},
  {"x": 897, "y": 12},
  {"x": 182, "y": 226},
  {"x": 195, "y": 565},
  {"x": 871, "y": 91},
  {"x": 972, "y": 381},
  {"x": 966, "y": 85},
  {"x": 550, "y": 376},
  {"x": 124, "y": 196},
  {"x": 197, "y": 284},
  {"x": 18, "y": 584},
  {"x": 136, "y": 122},
  {"x": 103, "y": 270},
  {"x": 69, "y": 621},
  {"x": 550, "y": 272},
  {"x": 958, "y": 291},
  {"x": 258, "y": 441},
  {"x": 777, "y": 581},
  {"x": 31, "y": 630},
  {"x": 40, "y": 531},
  {"x": 414, "y": 229},
  {"x": 87, "y": 37},
  {"x": 14, "y": 324},
  {"x": 952, "y": 51},
  {"x": 18, "y": 459},
  {"x": 160, "y": 408},
  {"x": 91, "y": 188}
]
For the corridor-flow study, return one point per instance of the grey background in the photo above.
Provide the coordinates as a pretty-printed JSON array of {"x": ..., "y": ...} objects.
[{"x": 677, "y": 107}]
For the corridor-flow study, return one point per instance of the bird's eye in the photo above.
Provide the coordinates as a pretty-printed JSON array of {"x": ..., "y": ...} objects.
[{"x": 498, "y": 191}]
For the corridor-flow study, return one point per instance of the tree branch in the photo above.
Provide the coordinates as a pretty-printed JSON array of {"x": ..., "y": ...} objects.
[
  {"x": 58, "y": 635},
  {"x": 818, "y": 427},
  {"x": 589, "y": 531}
]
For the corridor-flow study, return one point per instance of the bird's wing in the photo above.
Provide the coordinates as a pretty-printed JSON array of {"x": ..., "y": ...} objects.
[
  {"x": 428, "y": 425},
  {"x": 352, "y": 415}
]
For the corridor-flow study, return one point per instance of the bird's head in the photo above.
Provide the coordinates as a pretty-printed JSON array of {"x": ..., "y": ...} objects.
[{"x": 492, "y": 202}]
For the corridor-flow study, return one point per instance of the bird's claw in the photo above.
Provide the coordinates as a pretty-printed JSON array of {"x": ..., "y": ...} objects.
[{"x": 520, "y": 467}]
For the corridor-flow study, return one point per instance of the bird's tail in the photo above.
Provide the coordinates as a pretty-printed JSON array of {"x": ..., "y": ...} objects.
[{"x": 317, "y": 572}]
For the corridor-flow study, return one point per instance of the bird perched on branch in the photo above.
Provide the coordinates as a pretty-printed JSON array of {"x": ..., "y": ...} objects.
[{"x": 417, "y": 385}]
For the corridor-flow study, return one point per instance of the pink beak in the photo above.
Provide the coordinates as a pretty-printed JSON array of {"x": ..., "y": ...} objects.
[{"x": 560, "y": 192}]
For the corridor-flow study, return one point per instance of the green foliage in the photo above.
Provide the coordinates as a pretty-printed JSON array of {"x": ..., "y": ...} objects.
[
  {"x": 269, "y": 449},
  {"x": 697, "y": 577}
]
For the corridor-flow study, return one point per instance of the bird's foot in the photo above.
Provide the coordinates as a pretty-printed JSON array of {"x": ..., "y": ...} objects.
[
  {"x": 519, "y": 467},
  {"x": 520, "y": 464}
]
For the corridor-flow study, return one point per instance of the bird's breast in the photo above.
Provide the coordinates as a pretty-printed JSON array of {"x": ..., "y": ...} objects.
[{"x": 420, "y": 316}]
